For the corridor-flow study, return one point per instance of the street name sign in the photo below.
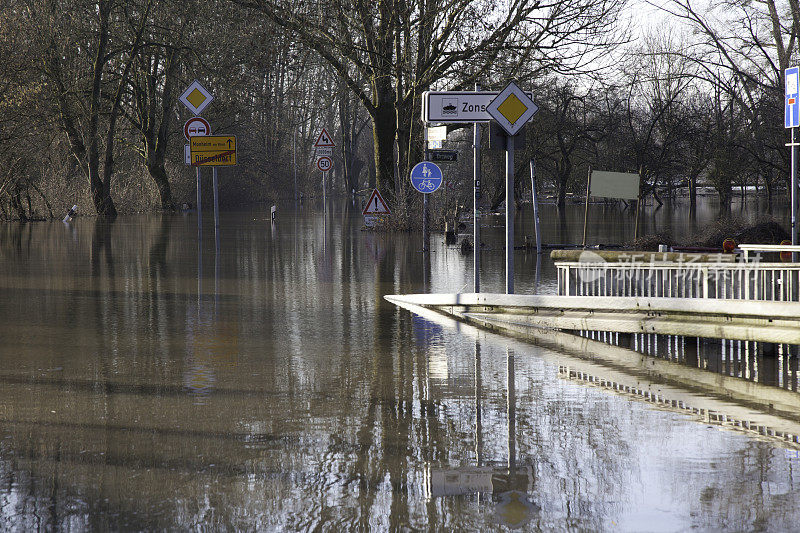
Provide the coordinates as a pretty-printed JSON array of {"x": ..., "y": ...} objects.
[
  {"x": 447, "y": 107},
  {"x": 213, "y": 150},
  {"x": 792, "y": 108},
  {"x": 512, "y": 108},
  {"x": 443, "y": 155},
  {"x": 376, "y": 205},
  {"x": 196, "y": 97},
  {"x": 196, "y": 126},
  {"x": 426, "y": 177}
]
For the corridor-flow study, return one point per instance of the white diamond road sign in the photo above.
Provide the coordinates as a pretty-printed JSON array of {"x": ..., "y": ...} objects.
[
  {"x": 196, "y": 97},
  {"x": 512, "y": 108}
]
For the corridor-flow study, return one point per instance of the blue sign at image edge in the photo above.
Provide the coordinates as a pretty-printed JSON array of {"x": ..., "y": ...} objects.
[{"x": 792, "y": 110}]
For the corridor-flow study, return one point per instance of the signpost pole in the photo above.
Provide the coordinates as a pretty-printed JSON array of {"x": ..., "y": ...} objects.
[
  {"x": 793, "y": 196},
  {"x": 509, "y": 214},
  {"x": 476, "y": 166},
  {"x": 199, "y": 205},
  {"x": 791, "y": 120},
  {"x": 586, "y": 206},
  {"x": 324, "y": 189},
  {"x": 535, "y": 210},
  {"x": 294, "y": 160},
  {"x": 425, "y": 236},
  {"x": 216, "y": 206}
]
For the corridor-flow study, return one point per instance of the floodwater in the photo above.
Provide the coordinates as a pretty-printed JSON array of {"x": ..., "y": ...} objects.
[{"x": 149, "y": 383}]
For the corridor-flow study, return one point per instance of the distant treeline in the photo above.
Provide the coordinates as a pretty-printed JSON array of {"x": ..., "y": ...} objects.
[{"x": 89, "y": 110}]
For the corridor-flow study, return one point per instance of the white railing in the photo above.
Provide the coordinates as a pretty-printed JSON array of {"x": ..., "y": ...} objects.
[{"x": 740, "y": 280}]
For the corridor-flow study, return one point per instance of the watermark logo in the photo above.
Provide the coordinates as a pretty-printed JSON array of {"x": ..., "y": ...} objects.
[{"x": 590, "y": 269}]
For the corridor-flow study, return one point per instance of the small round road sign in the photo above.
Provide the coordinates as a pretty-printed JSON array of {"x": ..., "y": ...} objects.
[
  {"x": 324, "y": 163},
  {"x": 196, "y": 126},
  {"x": 426, "y": 177}
]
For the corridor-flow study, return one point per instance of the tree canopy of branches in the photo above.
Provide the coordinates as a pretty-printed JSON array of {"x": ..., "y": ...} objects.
[{"x": 388, "y": 52}]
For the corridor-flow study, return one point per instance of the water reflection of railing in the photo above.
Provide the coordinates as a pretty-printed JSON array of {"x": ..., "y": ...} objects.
[
  {"x": 709, "y": 416},
  {"x": 722, "y": 280},
  {"x": 765, "y": 363}
]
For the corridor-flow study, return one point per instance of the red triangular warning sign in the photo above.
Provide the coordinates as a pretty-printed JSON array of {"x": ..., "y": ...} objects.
[
  {"x": 323, "y": 139},
  {"x": 376, "y": 205}
]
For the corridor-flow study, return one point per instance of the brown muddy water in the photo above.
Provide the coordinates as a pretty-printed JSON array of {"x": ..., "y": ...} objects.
[{"x": 148, "y": 383}]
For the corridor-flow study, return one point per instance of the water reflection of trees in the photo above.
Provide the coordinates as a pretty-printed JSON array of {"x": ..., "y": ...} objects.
[{"x": 322, "y": 413}]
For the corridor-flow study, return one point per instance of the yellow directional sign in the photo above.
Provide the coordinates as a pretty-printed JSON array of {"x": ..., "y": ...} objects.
[{"x": 213, "y": 150}]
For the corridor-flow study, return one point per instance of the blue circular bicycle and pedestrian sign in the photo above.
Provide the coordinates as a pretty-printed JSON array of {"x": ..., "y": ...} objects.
[{"x": 426, "y": 177}]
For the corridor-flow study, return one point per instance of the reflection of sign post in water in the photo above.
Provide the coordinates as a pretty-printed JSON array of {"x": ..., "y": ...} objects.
[
  {"x": 612, "y": 185},
  {"x": 791, "y": 121},
  {"x": 510, "y": 483}
]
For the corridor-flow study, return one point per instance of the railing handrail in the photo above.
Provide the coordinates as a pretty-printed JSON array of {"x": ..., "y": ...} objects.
[
  {"x": 748, "y": 281},
  {"x": 770, "y": 247},
  {"x": 673, "y": 265}
]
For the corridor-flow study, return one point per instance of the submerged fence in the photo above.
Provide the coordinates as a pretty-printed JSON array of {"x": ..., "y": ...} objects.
[{"x": 680, "y": 279}]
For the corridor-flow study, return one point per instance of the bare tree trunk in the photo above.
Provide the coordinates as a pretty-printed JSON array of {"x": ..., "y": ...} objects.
[
  {"x": 100, "y": 191},
  {"x": 383, "y": 134}
]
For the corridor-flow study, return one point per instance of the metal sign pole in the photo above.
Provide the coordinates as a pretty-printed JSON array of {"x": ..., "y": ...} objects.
[
  {"x": 425, "y": 229},
  {"x": 199, "y": 205},
  {"x": 586, "y": 206},
  {"x": 216, "y": 205},
  {"x": 324, "y": 189},
  {"x": 509, "y": 214},
  {"x": 476, "y": 166},
  {"x": 793, "y": 196},
  {"x": 294, "y": 160},
  {"x": 535, "y": 210}
]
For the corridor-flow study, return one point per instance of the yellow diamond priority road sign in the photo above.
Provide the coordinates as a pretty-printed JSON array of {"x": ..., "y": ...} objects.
[
  {"x": 512, "y": 108},
  {"x": 213, "y": 150},
  {"x": 196, "y": 97}
]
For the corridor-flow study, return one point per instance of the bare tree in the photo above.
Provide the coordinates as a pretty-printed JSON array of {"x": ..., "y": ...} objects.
[
  {"x": 99, "y": 66},
  {"x": 389, "y": 52},
  {"x": 741, "y": 52}
]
